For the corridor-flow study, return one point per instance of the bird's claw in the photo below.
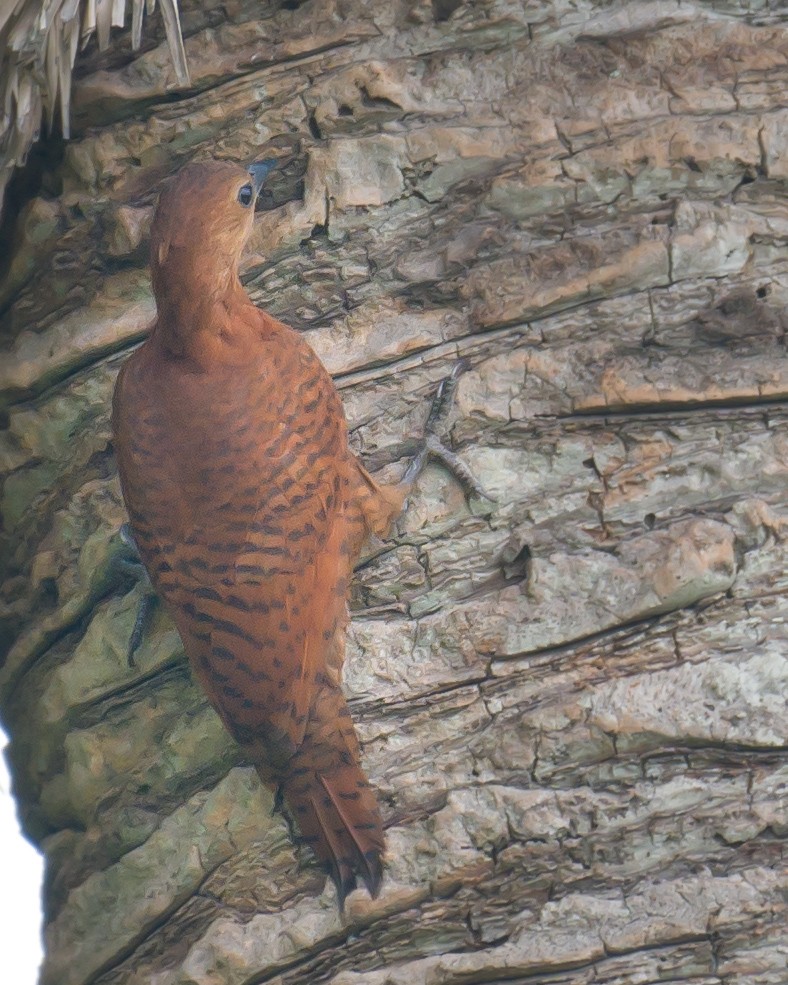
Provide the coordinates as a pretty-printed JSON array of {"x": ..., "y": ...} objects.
[
  {"x": 130, "y": 562},
  {"x": 142, "y": 620},
  {"x": 433, "y": 446}
]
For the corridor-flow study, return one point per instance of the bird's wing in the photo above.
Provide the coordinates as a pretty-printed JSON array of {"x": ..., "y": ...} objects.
[
  {"x": 239, "y": 511},
  {"x": 262, "y": 647}
]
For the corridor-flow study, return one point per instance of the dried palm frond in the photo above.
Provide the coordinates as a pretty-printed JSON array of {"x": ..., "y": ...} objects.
[{"x": 38, "y": 44}]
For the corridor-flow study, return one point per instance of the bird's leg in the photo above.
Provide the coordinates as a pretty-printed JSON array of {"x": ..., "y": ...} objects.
[
  {"x": 129, "y": 563},
  {"x": 279, "y": 799},
  {"x": 433, "y": 446}
]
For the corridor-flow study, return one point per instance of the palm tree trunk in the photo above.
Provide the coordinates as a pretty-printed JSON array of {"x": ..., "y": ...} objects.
[{"x": 572, "y": 700}]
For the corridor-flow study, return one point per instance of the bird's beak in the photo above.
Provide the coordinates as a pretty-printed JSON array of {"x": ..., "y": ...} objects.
[{"x": 260, "y": 171}]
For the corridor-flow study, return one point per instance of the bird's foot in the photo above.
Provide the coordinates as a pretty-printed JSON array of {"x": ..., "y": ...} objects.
[
  {"x": 129, "y": 563},
  {"x": 433, "y": 446}
]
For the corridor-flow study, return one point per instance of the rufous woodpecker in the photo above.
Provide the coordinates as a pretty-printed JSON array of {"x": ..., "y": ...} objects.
[{"x": 248, "y": 510}]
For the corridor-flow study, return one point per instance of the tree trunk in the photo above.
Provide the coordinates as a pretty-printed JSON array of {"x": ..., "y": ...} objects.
[{"x": 571, "y": 700}]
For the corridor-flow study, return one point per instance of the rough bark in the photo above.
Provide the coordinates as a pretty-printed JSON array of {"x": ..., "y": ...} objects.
[{"x": 572, "y": 701}]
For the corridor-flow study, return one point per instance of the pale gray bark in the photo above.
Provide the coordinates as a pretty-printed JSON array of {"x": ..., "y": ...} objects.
[{"x": 572, "y": 701}]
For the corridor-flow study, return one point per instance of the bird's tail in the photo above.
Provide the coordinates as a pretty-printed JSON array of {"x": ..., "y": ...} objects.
[{"x": 331, "y": 800}]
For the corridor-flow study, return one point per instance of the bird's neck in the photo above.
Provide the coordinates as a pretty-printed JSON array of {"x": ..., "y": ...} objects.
[{"x": 201, "y": 320}]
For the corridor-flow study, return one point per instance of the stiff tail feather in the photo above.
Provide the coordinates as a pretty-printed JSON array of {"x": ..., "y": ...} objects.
[{"x": 332, "y": 802}]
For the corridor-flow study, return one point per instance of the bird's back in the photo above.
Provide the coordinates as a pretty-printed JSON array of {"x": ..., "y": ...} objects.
[{"x": 240, "y": 489}]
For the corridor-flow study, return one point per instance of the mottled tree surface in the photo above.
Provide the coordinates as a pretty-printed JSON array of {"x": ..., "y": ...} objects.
[{"x": 572, "y": 700}]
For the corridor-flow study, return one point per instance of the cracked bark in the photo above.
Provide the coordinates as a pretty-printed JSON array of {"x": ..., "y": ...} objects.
[{"x": 571, "y": 703}]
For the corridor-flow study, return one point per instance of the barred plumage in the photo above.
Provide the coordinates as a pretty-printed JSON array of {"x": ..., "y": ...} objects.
[{"x": 248, "y": 509}]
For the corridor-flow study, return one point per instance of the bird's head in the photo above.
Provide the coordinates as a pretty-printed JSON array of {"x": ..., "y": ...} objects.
[{"x": 203, "y": 219}]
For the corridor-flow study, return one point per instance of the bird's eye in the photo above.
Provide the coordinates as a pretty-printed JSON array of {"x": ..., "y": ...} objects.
[{"x": 246, "y": 196}]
